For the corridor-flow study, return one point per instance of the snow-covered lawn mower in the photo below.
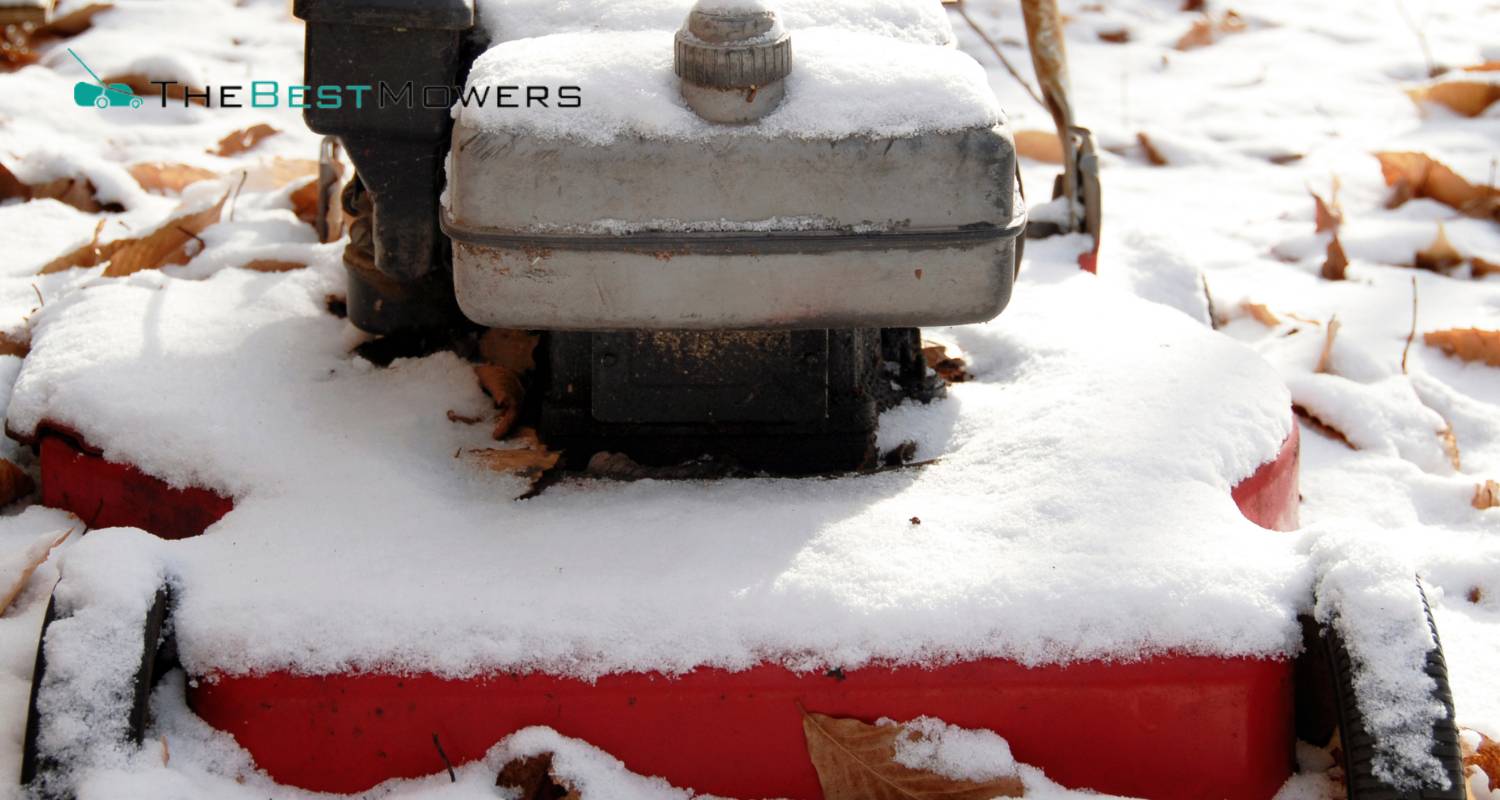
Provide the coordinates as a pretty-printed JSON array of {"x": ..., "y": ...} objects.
[{"x": 727, "y": 232}]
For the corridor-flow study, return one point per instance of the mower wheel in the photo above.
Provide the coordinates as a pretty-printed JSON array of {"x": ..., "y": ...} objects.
[
  {"x": 1327, "y": 663},
  {"x": 158, "y": 656}
]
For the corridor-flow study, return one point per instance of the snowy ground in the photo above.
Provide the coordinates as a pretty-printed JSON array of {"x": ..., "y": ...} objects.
[{"x": 1247, "y": 125}]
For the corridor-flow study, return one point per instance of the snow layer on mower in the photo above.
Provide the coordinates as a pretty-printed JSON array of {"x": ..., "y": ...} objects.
[
  {"x": 921, "y": 21},
  {"x": 1078, "y": 506},
  {"x": 845, "y": 82}
]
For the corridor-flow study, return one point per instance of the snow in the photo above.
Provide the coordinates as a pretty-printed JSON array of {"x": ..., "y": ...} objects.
[
  {"x": 844, "y": 83},
  {"x": 931, "y": 745},
  {"x": 274, "y": 410},
  {"x": 600, "y": 577},
  {"x": 920, "y": 21}
]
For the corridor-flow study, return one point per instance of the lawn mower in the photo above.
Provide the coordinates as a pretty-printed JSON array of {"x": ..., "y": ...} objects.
[{"x": 730, "y": 285}]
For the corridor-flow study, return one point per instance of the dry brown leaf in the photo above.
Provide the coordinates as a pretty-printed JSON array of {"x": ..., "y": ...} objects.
[
  {"x": 89, "y": 254},
  {"x": 142, "y": 86},
  {"x": 505, "y": 347},
  {"x": 172, "y": 243},
  {"x": 1153, "y": 155},
  {"x": 1040, "y": 146},
  {"x": 952, "y": 369},
  {"x": 14, "y": 483},
  {"x": 534, "y": 779},
  {"x": 1468, "y": 344},
  {"x": 525, "y": 461},
  {"x": 14, "y": 345},
  {"x": 857, "y": 761},
  {"x": 504, "y": 386},
  {"x": 1325, "y": 358},
  {"x": 34, "y": 557},
  {"x": 1209, "y": 29},
  {"x": 1117, "y": 36},
  {"x": 1478, "y": 267},
  {"x": 1487, "y": 495},
  {"x": 72, "y": 23},
  {"x": 242, "y": 140},
  {"x": 164, "y": 178},
  {"x": 272, "y": 265},
  {"x": 11, "y": 187},
  {"x": 1413, "y": 175},
  {"x": 1440, "y": 256},
  {"x": 1469, "y": 98},
  {"x": 1335, "y": 263},
  {"x": 77, "y": 192},
  {"x": 1261, "y": 314},
  {"x": 1486, "y": 758},
  {"x": 1328, "y": 215},
  {"x": 1449, "y": 442},
  {"x": 1322, "y": 427}
]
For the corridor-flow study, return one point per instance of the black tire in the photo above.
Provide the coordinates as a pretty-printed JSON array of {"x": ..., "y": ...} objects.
[
  {"x": 1326, "y": 697},
  {"x": 158, "y": 656}
]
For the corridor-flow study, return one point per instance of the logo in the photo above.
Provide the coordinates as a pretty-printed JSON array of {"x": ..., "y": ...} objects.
[{"x": 100, "y": 94}]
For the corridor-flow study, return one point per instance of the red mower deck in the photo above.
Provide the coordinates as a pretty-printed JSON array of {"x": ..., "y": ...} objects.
[{"x": 1091, "y": 725}]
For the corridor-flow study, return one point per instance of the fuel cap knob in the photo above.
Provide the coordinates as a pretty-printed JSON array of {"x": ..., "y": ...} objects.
[{"x": 733, "y": 57}]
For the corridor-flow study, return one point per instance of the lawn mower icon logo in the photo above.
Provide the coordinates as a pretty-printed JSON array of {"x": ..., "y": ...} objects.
[{"x": 100, "y": 94}]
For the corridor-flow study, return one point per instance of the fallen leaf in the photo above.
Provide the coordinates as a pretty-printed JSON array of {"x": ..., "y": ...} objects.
[
  {"x": 1486, "y": 759},
  {"x": 1193, "y": 5},
  {"x": 1208, "y": 29},
  {"x": 272, "y": 265},
  {"x": 72, "y": 23},
  {"x": 1413, "y": 175},
  {"x": 1469, "y": 98},
  {"x": 1328, "y": 215},
  {"x": 505, "y": 347},
  {"x": 1261, "y": 314},
  {"x": 857, "y": 761},
  {"x": 1325, "y": 358},
  {"x": 1449, "y": 442},
  {"x": 18, "y": 569},
  {"x": 142, "y": 85},
  {"x": 1322, "y": 427},
  {"x": 14, "y": 55},
  {"x": 90, "y": 254},
  {"x": 1039, "y": 146},
  {"x": 1440, "y": 256},
  {"x": 1335, "y": 263},
  {"x": 169, "y": 244},
  {"x": 1488, "y": 66},
  {"x": 11, "y": 187},
  {"x": 1468, "y": 344},
  {"x": 533, "y": 779},
  {"x": 1478, "y": 267},
  {"x": 77, "y": 192},
  {"x": 1487, "y": 495},
  {"x": 1153, "y": 156},
  {"x": 505, "y": 387},
  {"x": 242, "y": 140},
  {"x": 14, "y": 345},
  {"x": 524, "y": 461},
  {"x": 951, "y": 369},
  {"x": 1476, "y": 595},
  {"x": 1118, "y": 36},
  {"x": 164, "y": 178}
]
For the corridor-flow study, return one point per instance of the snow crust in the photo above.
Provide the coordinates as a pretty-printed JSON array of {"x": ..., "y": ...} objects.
[
  {"x": 845, "y": 83},
  {"x": 919, "y": 21},
  {"x": 351, "y": 505}
]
